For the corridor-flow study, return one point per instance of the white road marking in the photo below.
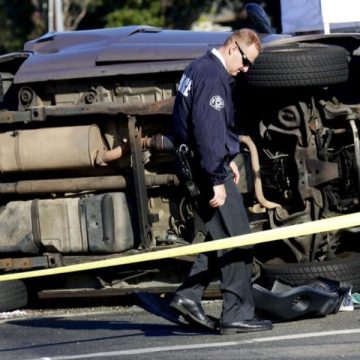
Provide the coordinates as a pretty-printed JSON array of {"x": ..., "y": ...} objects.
[
  {"x": 55, "y": 314},
  {"x": 200, "y": 346}
]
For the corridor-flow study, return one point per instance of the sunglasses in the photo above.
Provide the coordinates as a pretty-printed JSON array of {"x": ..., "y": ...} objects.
[{"x": 245, "y": 59}]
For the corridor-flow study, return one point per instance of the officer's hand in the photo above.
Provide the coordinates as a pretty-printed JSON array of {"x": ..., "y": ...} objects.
[
  {"x": 219, "y": 196},
  {"x": 234, "y": 169}
]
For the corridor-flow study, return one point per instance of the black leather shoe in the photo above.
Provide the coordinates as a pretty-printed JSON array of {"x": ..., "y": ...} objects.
[
  {"x": 245, "y": 326},
  {"x": 192, "y": 311}
]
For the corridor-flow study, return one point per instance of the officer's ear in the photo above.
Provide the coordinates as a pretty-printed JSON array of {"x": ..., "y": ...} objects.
[{"x": 232, "y": 49}]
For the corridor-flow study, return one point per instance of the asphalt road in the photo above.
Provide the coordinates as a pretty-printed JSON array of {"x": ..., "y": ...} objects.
[{"x": 132, "y": 333}]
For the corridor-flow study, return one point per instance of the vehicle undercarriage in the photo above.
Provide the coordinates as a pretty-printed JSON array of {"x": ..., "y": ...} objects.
[{"x": 87, "y": 167}]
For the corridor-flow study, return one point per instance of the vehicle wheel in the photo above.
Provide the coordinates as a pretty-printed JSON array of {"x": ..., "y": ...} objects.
[
  {"x": 343, "y": 269},
  {"x": 13, "y": 295},
  {"x": 299, "y": 65}
]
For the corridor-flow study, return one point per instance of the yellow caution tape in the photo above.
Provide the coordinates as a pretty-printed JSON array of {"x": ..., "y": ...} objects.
[{"x": 324, "y": 225}]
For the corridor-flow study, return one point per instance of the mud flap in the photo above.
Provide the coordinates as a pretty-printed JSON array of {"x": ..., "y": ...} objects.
[{"x": 285, "y": 301}]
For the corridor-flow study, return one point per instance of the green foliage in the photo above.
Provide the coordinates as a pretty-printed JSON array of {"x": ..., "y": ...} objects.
[
  {"x": 141, "y": 12},
  {"x": 182, "y": 13},
  {"x": 15, "y": 23},
  {"x": 23, "y": 20}
]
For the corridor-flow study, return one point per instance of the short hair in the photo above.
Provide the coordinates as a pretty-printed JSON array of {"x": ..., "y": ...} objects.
[{"x": 245, "y": 36}]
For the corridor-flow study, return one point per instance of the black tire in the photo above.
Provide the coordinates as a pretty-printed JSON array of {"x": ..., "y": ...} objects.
[
  {"x": 345, "y": 269},
  {"x": 13, "y": 295},
  {"x": 299, "y": 65}
]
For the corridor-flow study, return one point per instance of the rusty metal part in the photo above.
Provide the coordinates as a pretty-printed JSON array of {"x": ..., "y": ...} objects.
[
  {"x": 350, "y": 113},
  {"x": 255, "y": 165},
  {"x": 158, "y": 142},
  {"x": 313, "y": 172},
  {"x": 24, "y": 263},
  {"x": 54, "y": 260},
  {"x": 162, "y": 107},
  {"x": 212, "y": 291},
  {"x": 41, "y": 113},
  {"x": 9, "y": 117},
  {"x": 139, "y": 182},
  {"x": 82, "y": 184}
]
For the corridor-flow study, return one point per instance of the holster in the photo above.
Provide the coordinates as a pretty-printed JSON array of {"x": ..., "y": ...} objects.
[{"x": 184, "y": 172}]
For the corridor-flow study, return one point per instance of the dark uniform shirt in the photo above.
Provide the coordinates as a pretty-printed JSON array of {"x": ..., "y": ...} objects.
[{"x": 203, "y": 116}]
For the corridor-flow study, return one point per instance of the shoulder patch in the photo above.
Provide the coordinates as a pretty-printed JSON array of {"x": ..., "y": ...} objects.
[{"x": 217, "y": 102}]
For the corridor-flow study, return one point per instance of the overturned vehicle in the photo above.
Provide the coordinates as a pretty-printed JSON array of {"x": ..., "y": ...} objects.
[{"x": 87, "y": 163}]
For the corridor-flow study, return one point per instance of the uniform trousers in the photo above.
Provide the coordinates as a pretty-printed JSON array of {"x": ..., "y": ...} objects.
[{"x": 233, "y": 266}]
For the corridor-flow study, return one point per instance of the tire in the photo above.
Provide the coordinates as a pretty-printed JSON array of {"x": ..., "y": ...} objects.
[
  {"x": 346, "y": 269},
  {"x": 299, "y": 65},
  {"x": 13, "y": 295}
]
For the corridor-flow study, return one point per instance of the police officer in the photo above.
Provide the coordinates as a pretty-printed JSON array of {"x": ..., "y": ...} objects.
[{"x": 203, "y": 119}]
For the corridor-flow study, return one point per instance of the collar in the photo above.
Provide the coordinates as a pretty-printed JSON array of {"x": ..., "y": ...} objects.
[
  {"x": 216, "y": 52},
  {"x": 219, "y": 60}
]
